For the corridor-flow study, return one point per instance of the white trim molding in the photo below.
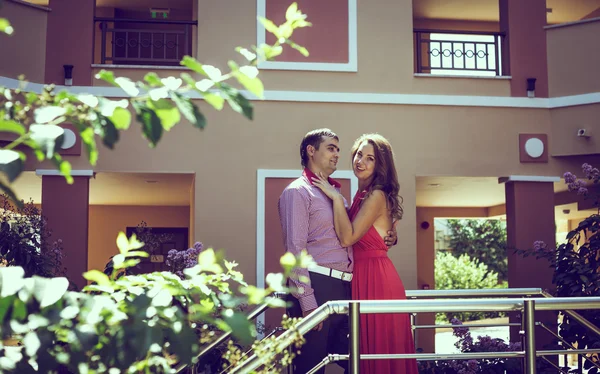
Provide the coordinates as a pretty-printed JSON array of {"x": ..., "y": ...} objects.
[
  {"x": 352, "y": 97},
  {"x": 350, "y": 66},
  {"x": 528, "y": 178},
  {"x": 74, "y": 173},
  {"x": 261, "y": 180}
]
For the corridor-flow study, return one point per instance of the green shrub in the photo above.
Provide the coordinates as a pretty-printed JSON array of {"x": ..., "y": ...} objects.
[{"x": 463, "y": 272}]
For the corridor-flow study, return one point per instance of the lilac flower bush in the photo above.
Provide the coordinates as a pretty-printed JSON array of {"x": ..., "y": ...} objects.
[
  {"x": 576, "y": 262},
  {"x": 467, "y": 344},
  {"x": 177, "y": 261}
]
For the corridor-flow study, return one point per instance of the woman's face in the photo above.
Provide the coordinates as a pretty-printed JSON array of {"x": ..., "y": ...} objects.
[{"x": 364, "y": 161}]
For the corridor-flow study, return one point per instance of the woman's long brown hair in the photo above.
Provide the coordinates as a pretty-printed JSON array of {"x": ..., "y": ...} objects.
[{"x": 386, "y": 178}]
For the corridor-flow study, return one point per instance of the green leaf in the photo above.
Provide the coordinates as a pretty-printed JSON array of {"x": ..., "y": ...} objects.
[
  {"x": 189, "y": 110},
  {"x": 215, "y": 100},
  {"x": 194, "y": 65},
  {"x": 107, "y": 76},
  {"x": 48, "y": 113},
  {"x": 287, "y": 261},
  {"x": 32, "y": 343},
  {"x": 5, "y": 26},
  {"x": 48, "y": 137},
  {"x": 5, "y": 303},
  {"x": 153, "y": 79},
  {"x": 63, "y": 166},
  {"x": 151, "y": 125},
  {"x": 97, "y": 276},
  {"x": 47, "y": 291},
  {"x": 122, "y": 242},
  {"x": 108, "y": 132},
  {"x": 269, "y": 26},
  {"x": 167, "y": 112},
  {"x": 299, "y": 48},
  {"x": 121, "y": 118},
  {"x": 247, "y": 76},
  {"x": 88, "y": 138},
  {"x": 128, "y": 86},
  {"x": 240, "y": 326},
  {"x": 11, "y": 280},
  {"x": 291, "y": 12},
  {"x": 11, "y": 163},
  {"x": 11, "y": 126},
  {"x": 237, "y": 101}
]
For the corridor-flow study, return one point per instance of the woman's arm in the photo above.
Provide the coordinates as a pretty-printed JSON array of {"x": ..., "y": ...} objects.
[{"x": 351, "y": 232}]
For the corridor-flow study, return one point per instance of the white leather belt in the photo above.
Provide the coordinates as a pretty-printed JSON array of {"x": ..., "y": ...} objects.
[{"x": 347, "y": 277}]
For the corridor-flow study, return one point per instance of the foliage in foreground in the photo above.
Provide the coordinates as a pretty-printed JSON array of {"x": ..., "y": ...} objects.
[{"x": 141, "y": 323}]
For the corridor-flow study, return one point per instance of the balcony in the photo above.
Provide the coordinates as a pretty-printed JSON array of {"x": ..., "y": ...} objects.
[
  {"x": 456, "y": 52},
  {"x": 143, "y": 41}
]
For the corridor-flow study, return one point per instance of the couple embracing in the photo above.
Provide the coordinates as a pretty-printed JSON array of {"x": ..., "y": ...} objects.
[{"x": 349, "y": 247}]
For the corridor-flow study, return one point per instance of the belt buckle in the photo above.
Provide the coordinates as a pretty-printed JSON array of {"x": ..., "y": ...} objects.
[{"x": 349, "y": 276}]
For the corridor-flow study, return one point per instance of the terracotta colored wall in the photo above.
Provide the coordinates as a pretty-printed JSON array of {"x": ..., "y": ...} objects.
[
  {"x": 438, "y": 24},
  {"x": 29, "y": 23},
  {"x": 69, "y": 41},
  {"x": 523, "y": 22},
  {"x": 103, "y": 12},
  {"x": 573, "y": 66},
  {"x": 565, "y": 124},
  {"x": 329, "y": 28},
  {"x": 107, "y": 221}
]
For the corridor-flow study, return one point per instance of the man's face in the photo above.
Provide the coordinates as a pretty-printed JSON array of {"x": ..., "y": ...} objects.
[{"x": 325, "y": 158}]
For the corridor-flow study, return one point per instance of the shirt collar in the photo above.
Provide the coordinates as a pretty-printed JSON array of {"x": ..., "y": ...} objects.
[{"x": 309, "y": 175}]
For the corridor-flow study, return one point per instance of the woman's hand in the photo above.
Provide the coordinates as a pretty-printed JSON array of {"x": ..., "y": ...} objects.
[{"x": 327, "y": 188}]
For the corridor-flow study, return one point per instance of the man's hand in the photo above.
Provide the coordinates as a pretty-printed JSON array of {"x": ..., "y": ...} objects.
[
  {"x": 392, "y": 237},
  {"x": 317, "y": 327}
]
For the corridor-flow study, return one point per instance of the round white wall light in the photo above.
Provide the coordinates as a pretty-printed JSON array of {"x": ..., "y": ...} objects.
[
  {"x": 69, "y": 139},
  {"x": 534, "y": 147}
]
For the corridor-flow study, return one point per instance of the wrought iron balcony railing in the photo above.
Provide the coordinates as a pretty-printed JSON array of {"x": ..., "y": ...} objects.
[
  {"x": 458, "y": 52},
  {"x": 144, "y": 42}
]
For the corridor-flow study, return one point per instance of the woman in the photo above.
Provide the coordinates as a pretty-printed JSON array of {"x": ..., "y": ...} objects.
[{"x": 374, "y": 208}]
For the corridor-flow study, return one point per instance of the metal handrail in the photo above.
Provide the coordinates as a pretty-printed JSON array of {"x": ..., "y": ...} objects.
[
  {"x": 222, "y": 338},
  {"x": 492, "y": 292},
  {"x": 526, "y": 305},
  {"x": 576, "y": 316}
]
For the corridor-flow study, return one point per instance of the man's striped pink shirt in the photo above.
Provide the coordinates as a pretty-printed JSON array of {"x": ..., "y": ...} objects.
[{"x": 306, "y": 215}]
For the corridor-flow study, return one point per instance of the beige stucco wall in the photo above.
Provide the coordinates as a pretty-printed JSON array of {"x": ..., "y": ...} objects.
[
  {"x": 24, "y": 52},
  {"x": 382, "y": 70},
  {"x": 105, "y": 223},
  {"x": 573, "y": 58},
  {"x": 428, "y": 140},
  {"x": 565, "y": 124}
]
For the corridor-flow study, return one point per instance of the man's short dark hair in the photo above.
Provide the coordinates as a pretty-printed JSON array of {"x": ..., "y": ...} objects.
[{"x": 314, "y": 138}]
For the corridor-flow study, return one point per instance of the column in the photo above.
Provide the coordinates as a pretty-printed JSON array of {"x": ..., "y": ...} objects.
[
  {"x": 70, "y": 41},
  {"x": 66, "y": 208},
  {"x": 524, "y": 52},
  {"x": 530, "y": 217}
]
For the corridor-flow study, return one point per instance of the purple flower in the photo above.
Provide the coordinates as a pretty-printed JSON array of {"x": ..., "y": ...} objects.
[
  {"x": 472, "y": 364},
  {"x": 539, "y": 245},
  {"x": 582, "y": 191},
  {"x": 177, "y": 261},
  {"x": 569, "y": 177}
]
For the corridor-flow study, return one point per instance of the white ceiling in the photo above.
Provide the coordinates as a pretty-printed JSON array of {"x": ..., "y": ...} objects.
[
  {"x": 121, "y": 188},
  {"x": 478, "y": 192},
  {"x": 487, "y": 10}
]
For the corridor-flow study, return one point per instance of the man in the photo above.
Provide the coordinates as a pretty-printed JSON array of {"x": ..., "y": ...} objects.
[{"x": 306, "y": 216}]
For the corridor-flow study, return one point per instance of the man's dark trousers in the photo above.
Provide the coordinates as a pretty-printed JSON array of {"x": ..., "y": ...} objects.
[{"x": 333, "y": 337}]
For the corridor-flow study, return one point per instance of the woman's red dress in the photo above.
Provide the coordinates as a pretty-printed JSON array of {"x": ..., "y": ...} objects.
[{"x": 376, "y": 278}]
